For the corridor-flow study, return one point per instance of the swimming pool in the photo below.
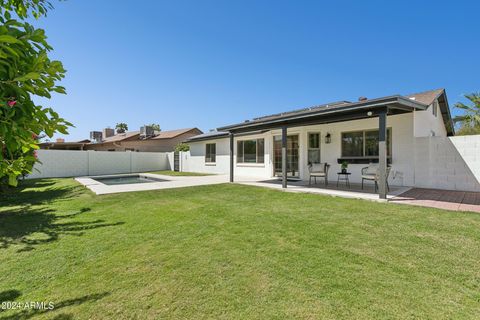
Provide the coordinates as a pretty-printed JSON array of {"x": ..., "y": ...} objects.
[{"x": 130, "y": 179}]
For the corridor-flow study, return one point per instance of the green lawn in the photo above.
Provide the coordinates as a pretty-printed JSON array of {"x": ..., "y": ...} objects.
[
  {"x": 233, "y": 252},
  {"x": 177, "y": 173}
]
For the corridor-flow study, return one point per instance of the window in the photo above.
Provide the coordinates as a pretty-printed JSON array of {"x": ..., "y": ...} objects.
[
  {"x": 435, "y": 108},
  {"x": 210, "y": 152},
  {"x": 352, "y": 144},
  {"x": 314, "y": 148},
  {"x": 251, "y": 151},
  {"x": 364, "y": 144}
]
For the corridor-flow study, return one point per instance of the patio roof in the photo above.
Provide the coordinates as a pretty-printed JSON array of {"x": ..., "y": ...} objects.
[
  {"x": 328, "y": 113},
  {"x": 345, "y": 110}
]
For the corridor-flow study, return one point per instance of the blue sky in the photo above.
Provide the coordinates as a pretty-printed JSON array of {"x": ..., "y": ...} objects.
[{"x": 211, "y": 63}]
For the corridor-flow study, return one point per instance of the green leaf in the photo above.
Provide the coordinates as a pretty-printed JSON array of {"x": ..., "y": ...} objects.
[
  {"x": 12, "y": 180},
  {"x": 28, "y": 76},
  {"x": 5, "y": 38}
]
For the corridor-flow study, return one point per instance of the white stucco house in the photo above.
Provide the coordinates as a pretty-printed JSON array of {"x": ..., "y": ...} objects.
[{"x": 417, "y": 143}]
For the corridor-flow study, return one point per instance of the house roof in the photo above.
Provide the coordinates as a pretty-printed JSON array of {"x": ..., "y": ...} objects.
[
  {"x": 208, "y": 136},
  {"x": 339, "y": 110},
  {"x": 135, "y": 135},
  {"x": 426, "y": 97},
  {"x": 173, "y": 133},
  {"x": 121, "y": 136}
]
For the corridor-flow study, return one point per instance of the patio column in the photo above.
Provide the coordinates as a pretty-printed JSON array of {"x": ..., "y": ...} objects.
[
  {"x": 231, "y": 157},
  {"x": 284, "y": 157},
  {"x": 382, "y": 154}
]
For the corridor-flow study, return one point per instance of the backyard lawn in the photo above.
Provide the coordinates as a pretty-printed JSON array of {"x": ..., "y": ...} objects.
[{"x": 233, "y": 252}]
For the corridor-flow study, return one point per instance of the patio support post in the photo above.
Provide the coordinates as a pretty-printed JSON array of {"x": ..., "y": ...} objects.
[
  {"x": 382, "y": 154},
  {"x": 231, "y": 157},
  {"x": 284, "y": 157}
]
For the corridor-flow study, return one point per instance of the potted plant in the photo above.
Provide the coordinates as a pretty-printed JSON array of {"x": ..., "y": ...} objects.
[{"x": 344, "y": 166}]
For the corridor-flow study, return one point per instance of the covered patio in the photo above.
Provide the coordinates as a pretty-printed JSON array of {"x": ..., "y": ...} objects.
[
  {"x": 354, "y": 191},
  {"x": 339, "y": 112}
]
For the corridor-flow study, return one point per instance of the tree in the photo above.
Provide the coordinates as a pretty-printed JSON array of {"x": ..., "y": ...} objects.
[
  {"x": 469, "y": 122},
  {"x": 121, "y": 127},
  {"x": 25, "y": 71},
  {"x": 155, "y": 126},
  {"x": 182, "y": 147}
]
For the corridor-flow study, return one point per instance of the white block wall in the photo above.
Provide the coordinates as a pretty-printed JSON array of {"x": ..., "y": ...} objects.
[
  {"x": 66, "y": 163},
  {"x": 451, "y": 163}
]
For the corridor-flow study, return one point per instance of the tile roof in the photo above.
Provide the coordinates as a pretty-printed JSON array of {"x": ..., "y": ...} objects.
[
  {"x": 121, "y": 136},
  {"x": 426, "y": 97},
  {"x": 173, "y": 133}
]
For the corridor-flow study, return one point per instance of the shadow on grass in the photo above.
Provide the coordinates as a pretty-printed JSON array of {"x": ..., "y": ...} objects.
[
  {"x": 30, "y": 226},
  {"x": 9, "y": 295},
  {"x": 36, "y": 192},
  {"x": 27, "y": 313}
]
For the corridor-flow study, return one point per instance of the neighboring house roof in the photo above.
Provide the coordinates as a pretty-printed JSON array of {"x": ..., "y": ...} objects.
[
  {"x": 421, "y": 101},
  {"x": 135, "y": 135},
  {"x": 208, "y": 136},
  {"x": 62, "y": 145},
  {"x": 174, "y": 133},
  {"x": 121, "y": 136}
]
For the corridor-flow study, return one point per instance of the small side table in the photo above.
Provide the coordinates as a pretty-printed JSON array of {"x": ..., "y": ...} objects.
[{"x": 343, "y": 176}]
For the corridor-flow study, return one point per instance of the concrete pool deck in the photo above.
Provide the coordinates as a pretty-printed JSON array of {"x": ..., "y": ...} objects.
[{"x": 170, "y": 182}]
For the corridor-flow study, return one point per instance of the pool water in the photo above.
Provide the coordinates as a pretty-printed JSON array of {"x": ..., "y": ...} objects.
[{"x": 109, "y": 181}]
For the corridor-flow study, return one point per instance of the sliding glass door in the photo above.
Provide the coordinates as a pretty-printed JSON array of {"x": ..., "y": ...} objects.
[{"x": 292, "y": 156}]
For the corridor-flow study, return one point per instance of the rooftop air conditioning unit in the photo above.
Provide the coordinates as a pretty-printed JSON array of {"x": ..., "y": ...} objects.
[
  {"x": 146, "y": 132},
  {"x": 96, "y": 136}
]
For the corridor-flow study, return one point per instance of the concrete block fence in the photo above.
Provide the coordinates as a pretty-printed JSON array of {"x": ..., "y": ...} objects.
[{"x": 66, "y": 163}]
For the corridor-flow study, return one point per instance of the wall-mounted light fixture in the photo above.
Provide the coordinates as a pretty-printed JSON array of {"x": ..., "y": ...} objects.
[
  {"x": 328, "y": 138},
  {"x": 369, "y": 113}
]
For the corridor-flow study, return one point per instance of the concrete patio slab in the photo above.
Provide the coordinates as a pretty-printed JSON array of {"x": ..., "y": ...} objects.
[
  {"x": 354, "y": 191},
  {"x": 168, "y": 182}
]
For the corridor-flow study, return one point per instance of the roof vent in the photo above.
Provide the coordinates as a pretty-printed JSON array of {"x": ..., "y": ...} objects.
[{"x": 362, "y": 98}]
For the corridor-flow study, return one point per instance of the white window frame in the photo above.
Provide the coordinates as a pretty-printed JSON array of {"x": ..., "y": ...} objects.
[
  {"x": 389, "y": 146},
  {"x": 206, "y": 152},
  {"x": 256, "y": 151},
  {"x": 319, "y": 146}
]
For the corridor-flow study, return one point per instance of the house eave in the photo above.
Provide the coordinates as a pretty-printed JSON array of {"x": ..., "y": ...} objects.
[{"x": 399, "y": 103}]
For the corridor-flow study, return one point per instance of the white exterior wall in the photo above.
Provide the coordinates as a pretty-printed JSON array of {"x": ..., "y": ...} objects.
[
  {"x": 70, "y": 163},
  {"x": 427, "y": 125},
  {"x": 194, "y": 160}
]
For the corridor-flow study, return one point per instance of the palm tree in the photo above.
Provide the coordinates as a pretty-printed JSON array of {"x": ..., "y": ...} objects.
[
  {"x": 121, "y": 127},
  {"x": 470, "y": 120}
]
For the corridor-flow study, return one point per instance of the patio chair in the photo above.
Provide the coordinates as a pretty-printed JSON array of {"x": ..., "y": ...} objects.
[
  {"x": 371, "y": 173},
  {"x": 319, "y": 170}
]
